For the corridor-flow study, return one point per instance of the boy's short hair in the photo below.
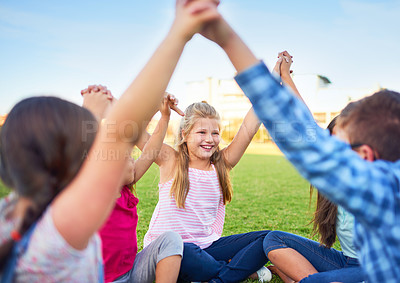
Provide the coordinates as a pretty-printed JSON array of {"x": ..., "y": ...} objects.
[{"x": 375, "y": 121}]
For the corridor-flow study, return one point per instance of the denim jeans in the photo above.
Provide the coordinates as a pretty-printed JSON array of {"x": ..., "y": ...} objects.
[
  {"x": 331, "y": 264},
  {"x": 229, "y": 259}
]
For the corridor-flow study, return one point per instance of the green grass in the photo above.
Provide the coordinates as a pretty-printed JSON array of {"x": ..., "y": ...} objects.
[
  {"x": 268, "y": 194},
  {"x": 3, "y": 190}
]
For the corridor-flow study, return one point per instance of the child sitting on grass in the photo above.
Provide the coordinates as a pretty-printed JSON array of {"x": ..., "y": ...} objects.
[
  {"x": 122, "y": 263},
  {"x": 63, "y": 188},
  {"x": 193, "y": 191}
]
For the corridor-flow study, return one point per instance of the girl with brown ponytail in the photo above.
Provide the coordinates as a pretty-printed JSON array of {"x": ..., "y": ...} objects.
[{"x": 65, "y": 178}]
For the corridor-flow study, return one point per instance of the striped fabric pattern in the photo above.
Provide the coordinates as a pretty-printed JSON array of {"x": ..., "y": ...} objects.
[{"x": 201, "y": 221}]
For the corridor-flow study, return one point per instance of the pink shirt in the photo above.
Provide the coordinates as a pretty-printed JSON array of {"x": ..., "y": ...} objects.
[
  {"x": 201, "y": 221},
  {"x": 119, "y": 237}
]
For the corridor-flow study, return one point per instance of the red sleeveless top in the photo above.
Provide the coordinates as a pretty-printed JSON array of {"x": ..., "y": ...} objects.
[{"x": 119, "y": 238}]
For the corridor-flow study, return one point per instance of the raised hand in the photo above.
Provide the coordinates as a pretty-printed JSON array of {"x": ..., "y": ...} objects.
[
  {"x": 286, "y": 62},
  {"x": 170, "y": 102},
  {"x": 277, "y": 68},
  {"x": 98, "y": 99},
  {"x": 282, "y": 66},
  {"x": 192, "y": 16},
  {"x": 222, "y": 34},
  {"x": 218, "y": 31}
]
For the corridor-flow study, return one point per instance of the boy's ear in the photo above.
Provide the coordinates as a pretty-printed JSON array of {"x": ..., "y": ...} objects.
[{"x": 367, "y": 153}]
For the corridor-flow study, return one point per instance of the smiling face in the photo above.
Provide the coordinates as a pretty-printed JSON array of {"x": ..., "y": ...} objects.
[{"x": 203, "y": 139}]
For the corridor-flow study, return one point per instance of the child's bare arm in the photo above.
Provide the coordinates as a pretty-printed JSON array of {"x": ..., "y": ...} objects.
[
  {"x": 239, "y": 54},
  {"x": 81, "y": 208},
  {"x": 152, "y": 147},
  {"x": 167, "y": 153},
  {"x": 235, "y": 150},
  {"x": 285, "y": 72}
]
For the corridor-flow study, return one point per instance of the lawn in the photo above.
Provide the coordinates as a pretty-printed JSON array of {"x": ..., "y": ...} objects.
[{"x": 268, "y": 194}]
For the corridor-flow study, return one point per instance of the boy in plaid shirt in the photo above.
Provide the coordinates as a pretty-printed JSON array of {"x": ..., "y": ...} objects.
[{"x": 359, "y": 171}]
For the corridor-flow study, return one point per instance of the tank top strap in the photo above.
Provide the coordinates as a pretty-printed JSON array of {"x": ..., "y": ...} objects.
[{"x": 213, "y": 167}]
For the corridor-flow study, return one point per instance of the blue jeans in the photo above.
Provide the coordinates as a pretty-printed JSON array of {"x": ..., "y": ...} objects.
[
  {"x": 229, "y": 259},
  {"x": 331, "y": 264}
]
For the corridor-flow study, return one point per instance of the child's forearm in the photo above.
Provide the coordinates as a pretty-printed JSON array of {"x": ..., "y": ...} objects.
[
  {"x": 152, "y": 148},
  {"x": 234, "y": 152},
  {"x": 287, "y": 79},
  {"x": 144, "y": 91},
  {"x": 105, "y": 163},
  {"x": 238, "y": 52},
  {"x": 112, "y": 146}
]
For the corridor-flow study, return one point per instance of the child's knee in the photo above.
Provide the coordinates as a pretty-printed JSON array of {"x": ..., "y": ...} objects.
[
  {"x": 172, "y": 237},
  {"x": 273, "y": 239},
  {"x": 172, "y": 241}
]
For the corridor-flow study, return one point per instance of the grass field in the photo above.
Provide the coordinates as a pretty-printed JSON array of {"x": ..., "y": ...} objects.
[{"x": 268, "y": 194}]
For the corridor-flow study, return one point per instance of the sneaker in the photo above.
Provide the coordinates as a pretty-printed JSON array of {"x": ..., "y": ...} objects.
[{"x": 264, "y": 275}]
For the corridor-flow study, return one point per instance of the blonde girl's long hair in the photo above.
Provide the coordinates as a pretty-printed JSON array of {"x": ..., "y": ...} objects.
[{"x": 180, "y": 185}]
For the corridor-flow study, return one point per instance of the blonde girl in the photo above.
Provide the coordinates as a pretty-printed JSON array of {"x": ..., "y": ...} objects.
[{"x": 193, "y": 191}]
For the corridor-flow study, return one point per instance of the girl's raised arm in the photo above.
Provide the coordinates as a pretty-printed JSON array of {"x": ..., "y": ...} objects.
[
  {"x": 151, "y": 149},
  {"x": 285, "y": 72},
  {"x": 235, "y": 150},
  {"x": 167, "y": 153},
  {"x": 80, "y": 210}
]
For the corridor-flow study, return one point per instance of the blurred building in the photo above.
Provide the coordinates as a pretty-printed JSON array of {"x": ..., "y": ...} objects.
[{"x": 324, "y": 100}]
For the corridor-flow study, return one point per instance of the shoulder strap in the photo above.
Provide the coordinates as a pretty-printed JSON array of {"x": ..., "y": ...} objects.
[{"x": 18, "y": 249}]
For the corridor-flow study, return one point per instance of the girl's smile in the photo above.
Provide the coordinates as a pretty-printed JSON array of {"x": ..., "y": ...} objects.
[{"x": 203, "y": 139}]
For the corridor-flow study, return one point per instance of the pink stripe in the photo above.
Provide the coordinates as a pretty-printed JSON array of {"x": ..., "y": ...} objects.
[{"x": 203, "y": 219}]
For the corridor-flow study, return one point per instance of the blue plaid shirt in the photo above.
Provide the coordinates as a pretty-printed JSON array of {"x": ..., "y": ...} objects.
[{"x": 369, "y": 190}]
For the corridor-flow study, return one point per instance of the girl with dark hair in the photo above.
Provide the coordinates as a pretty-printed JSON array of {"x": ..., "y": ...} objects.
[
  {"x": 296, "y": 258},
  {"x": 359, "y": 169},
  {"x": 65, "y": 178}
]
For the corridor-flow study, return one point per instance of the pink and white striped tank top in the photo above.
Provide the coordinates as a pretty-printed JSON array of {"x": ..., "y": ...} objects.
[{"x": 201, "y": 221}]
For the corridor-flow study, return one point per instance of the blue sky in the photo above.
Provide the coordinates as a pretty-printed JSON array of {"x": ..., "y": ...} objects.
[{"x": 59, "y": 47}]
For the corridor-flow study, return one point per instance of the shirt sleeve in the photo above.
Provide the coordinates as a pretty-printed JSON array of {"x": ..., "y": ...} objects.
[{"x": 365, "y": 189}]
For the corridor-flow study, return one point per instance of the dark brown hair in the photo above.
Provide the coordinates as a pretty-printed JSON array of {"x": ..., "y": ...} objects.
[
  {"x": 42, "y": 146},
  {"x": 324, "y": 219},
  {"x": 375, "y": 121}
]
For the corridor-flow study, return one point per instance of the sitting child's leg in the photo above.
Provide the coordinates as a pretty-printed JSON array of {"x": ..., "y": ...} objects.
[
  {"x": 346, "y": 275},
  {"x": 198, "y": 265},
  {"x": 150, "y": 263},
  {"x": 244, "y": 252},
  {"x": 298, "y": 257}
]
